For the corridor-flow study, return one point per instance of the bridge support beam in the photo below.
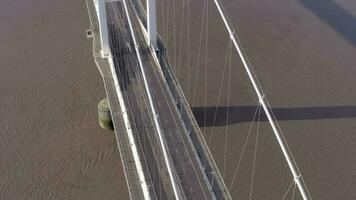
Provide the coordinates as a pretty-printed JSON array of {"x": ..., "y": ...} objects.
[{"x": 152, "y": 23}]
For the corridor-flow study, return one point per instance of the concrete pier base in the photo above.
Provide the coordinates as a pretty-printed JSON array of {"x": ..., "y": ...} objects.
[{"x": 104, "y": 115}]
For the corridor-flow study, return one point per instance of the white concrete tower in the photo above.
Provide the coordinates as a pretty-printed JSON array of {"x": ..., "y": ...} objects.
[
  {"x": 104, "y": 34},
  {"x": 152, "y": 23}
]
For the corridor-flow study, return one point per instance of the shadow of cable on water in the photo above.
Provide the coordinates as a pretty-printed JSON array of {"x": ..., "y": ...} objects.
[
  {"x": 240, "y": 114},
  {"x": 335, "y": 16}
]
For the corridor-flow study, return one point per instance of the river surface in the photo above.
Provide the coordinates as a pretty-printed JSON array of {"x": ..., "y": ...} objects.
[
  {"x": 51, "y": 145},
  {"x": 303, "y": 53}
]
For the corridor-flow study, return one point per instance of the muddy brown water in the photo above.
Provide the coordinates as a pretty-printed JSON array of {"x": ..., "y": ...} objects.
[
  {"x": 51, "y": 145},
  {"x": 303, "y": 53}
]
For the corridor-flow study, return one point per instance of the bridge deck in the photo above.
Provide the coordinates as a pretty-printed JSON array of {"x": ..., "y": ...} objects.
[
  {"x": 132, "y": 178},
  {"x": 136, "y": 99}
]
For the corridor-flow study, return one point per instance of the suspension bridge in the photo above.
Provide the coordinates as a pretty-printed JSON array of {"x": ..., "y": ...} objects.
[{"x": 163, "y": 151}]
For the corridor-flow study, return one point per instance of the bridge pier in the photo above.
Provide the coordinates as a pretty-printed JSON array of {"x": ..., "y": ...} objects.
[{"x": 104, "y": 115}]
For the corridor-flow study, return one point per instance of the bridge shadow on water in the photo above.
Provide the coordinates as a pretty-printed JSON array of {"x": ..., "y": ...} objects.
[
  {"x": 335, "y": 16},
  {"x": 240, "y": 114}
]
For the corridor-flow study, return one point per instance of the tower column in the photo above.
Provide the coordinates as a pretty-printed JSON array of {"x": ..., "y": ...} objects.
[
  {"x": 152, "y": 23},
  {"x": 104, "y": 35}
]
